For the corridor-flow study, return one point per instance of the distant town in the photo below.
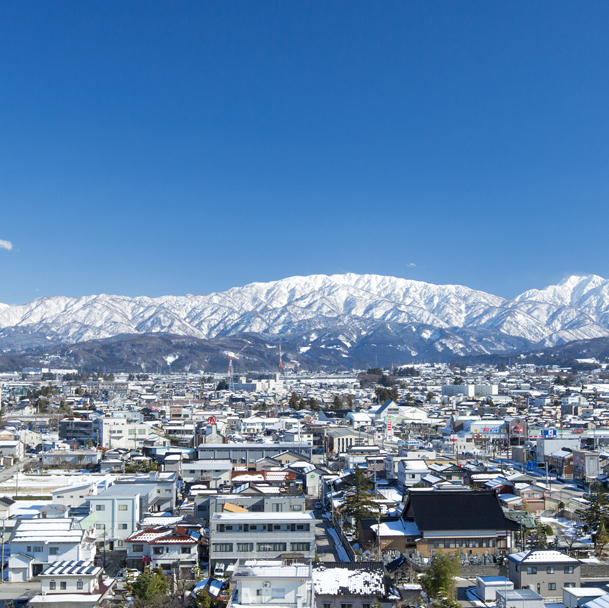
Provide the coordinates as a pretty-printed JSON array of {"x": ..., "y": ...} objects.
[{"x": 415, "y": 485}]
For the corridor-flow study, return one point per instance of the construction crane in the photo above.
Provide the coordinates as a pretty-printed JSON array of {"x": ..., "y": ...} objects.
[{"x": 229, "y": 377}]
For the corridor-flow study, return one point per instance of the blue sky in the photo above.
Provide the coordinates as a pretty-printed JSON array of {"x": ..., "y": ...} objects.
[{"x": 188, "y": 147}]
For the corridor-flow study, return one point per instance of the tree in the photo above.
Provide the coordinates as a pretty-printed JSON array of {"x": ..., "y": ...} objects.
[
  {"x": 150, "y": 584},
  {"x": 429, "y": 397},
  {"x": 358, "y": 498},
  {"x": 438, "y": 579},
  {"x": 222, "y": 385},
  {"x": 458, "y": 380},
  {"x": 596, "y": 517}
]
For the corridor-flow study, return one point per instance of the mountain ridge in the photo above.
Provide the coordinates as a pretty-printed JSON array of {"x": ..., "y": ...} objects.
[{"x": 469, "y": 321}]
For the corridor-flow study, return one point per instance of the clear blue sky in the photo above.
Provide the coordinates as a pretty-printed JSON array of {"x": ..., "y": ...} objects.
[{"x": 154, "y": 148}]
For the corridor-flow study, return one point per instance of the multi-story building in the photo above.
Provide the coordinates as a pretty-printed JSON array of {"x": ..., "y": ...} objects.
[
  {"x": 260, "y": 536},
  {"x": 65, "y": 584},
  {"x": 411, "y": 472},
  {"x": 121, "y": 506},
  {"x": 114, "y": 432},
  {"x": 545, "y": 571},
  {"x": 206, "y": 505},
  {"x": 272, "y": 582},
  {"x": 77, "y": 429},
  {"x": 36, "y": 543},
  {"x": 169, "y": 548}
]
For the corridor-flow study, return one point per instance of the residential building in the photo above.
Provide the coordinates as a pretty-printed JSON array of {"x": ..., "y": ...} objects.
[
  {"x": 545, "y": 571},
  {"x": 411, "y": 472},
  {"x": 36, "y": 543},
  {"x": 169, "y": 548},
  {"x": 206, "y": 505},
  {"x": 351, "y": 585},
  {"x": 114, "y": 432},
  {"x": 65, "y": 584},
  {"x": 260, "y": 536},
  {"x": 272, "y": 583}
]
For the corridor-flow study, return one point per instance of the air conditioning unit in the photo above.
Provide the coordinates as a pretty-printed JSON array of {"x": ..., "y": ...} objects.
[{"x": 266, "y": 584}]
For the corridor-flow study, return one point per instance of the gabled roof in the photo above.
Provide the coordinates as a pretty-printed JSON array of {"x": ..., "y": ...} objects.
[
  {"x": 456, "y": 510},
  {"x": 542, "y": 556}
]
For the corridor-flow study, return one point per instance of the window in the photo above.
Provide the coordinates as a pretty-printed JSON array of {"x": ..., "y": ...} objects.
[
  {"x": 550, "y": 569},
  {"x": 79, "y": 585},
  {"x": 53, "y": 550},
  {"x": 271, "y": 546},
  {"x": 185, "y": 550},
  {"x": 366, "y": 605},
  {"x": 131, "y": 431},
  {"x": 346, "y": 606},
  {"x": 569, "y": 570},
  {"x": 223, "y": 547},
  {"x": 326, "y": 605},
  {"x": 122, "y": 526},
  {"x": 551, "y": 586},
  {"x": 141, "y": 431},
  {"x": 99, "y": 526},
  {"x": 300, "y": 547},
  {"x": 37, "y": 549},
  {"x": 245, "y": 547},
  {"x": 296, "y": 507},
  {"x": 277, "y": 594},
  {"x": 532, "y": 570},
  {"x": 137, "y": 548},
  {"x": 100, "y": 507},
  {"x": 259, "y": 592},
  {"x": 52, "y": 585},
  {"x": 122, "y": 507},
  {"x": 158, "y": 550},
  {"x": 63, "y": 585},
  {"x": 29, "y": 549},
  {"x": 569, "y": 585}
]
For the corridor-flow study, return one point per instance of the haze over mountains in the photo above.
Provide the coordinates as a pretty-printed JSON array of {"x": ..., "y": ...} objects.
[{"x": 344, "y": 317}]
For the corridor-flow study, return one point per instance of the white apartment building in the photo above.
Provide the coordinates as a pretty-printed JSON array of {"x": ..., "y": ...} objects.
[
  {"x": 121, "y": 433},
  {"x": 36, "y": 543},
  {"x": 260, "y": 536},
  {"x": 272, "y": 583},
  {"x": 65, "y": 584}
]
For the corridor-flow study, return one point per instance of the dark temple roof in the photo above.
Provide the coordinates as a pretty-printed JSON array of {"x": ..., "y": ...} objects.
[{"x": 457, "y": 510}]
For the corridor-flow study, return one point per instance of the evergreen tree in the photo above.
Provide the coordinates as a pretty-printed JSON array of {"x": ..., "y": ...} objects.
[
  {"x": 150, "y": 584},
  {"x": 439, "y": 578},
  {"x": 358, "y": 498}
]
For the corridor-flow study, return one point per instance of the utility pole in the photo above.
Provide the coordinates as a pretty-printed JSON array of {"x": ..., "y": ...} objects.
[{"x": 3, "y": 527}]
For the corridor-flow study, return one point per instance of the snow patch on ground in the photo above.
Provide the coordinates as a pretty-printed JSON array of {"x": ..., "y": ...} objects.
[{"x": 340, "y": 550}]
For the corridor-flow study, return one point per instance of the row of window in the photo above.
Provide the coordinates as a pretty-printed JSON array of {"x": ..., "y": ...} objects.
[
  {"x": 120, "y": 526},
  {"x": 159, "y": 550},
  {"x": 249, "y": 547},
  {"x": 549, "y": 569},
  {"x": 452, "y": 543},
  {"x": 263, "y": 527},
  {"x": 63, "y": 585}
]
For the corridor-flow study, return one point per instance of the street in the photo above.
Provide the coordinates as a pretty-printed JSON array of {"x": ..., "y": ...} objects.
[
  {"x": 10, "y": 471},
  {"x": 326, "y": 550}
]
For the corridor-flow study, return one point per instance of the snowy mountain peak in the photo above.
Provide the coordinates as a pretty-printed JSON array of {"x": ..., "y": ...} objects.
[{"x": 349, "y": 304}]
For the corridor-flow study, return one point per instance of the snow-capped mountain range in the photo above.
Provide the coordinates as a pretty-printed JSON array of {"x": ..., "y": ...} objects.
[{"x": 338, "y": 311}]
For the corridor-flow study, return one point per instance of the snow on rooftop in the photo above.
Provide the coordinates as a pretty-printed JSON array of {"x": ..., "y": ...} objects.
[
  {"x": 542, "y": 556},
  {"x": 344, "y": 581}
]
